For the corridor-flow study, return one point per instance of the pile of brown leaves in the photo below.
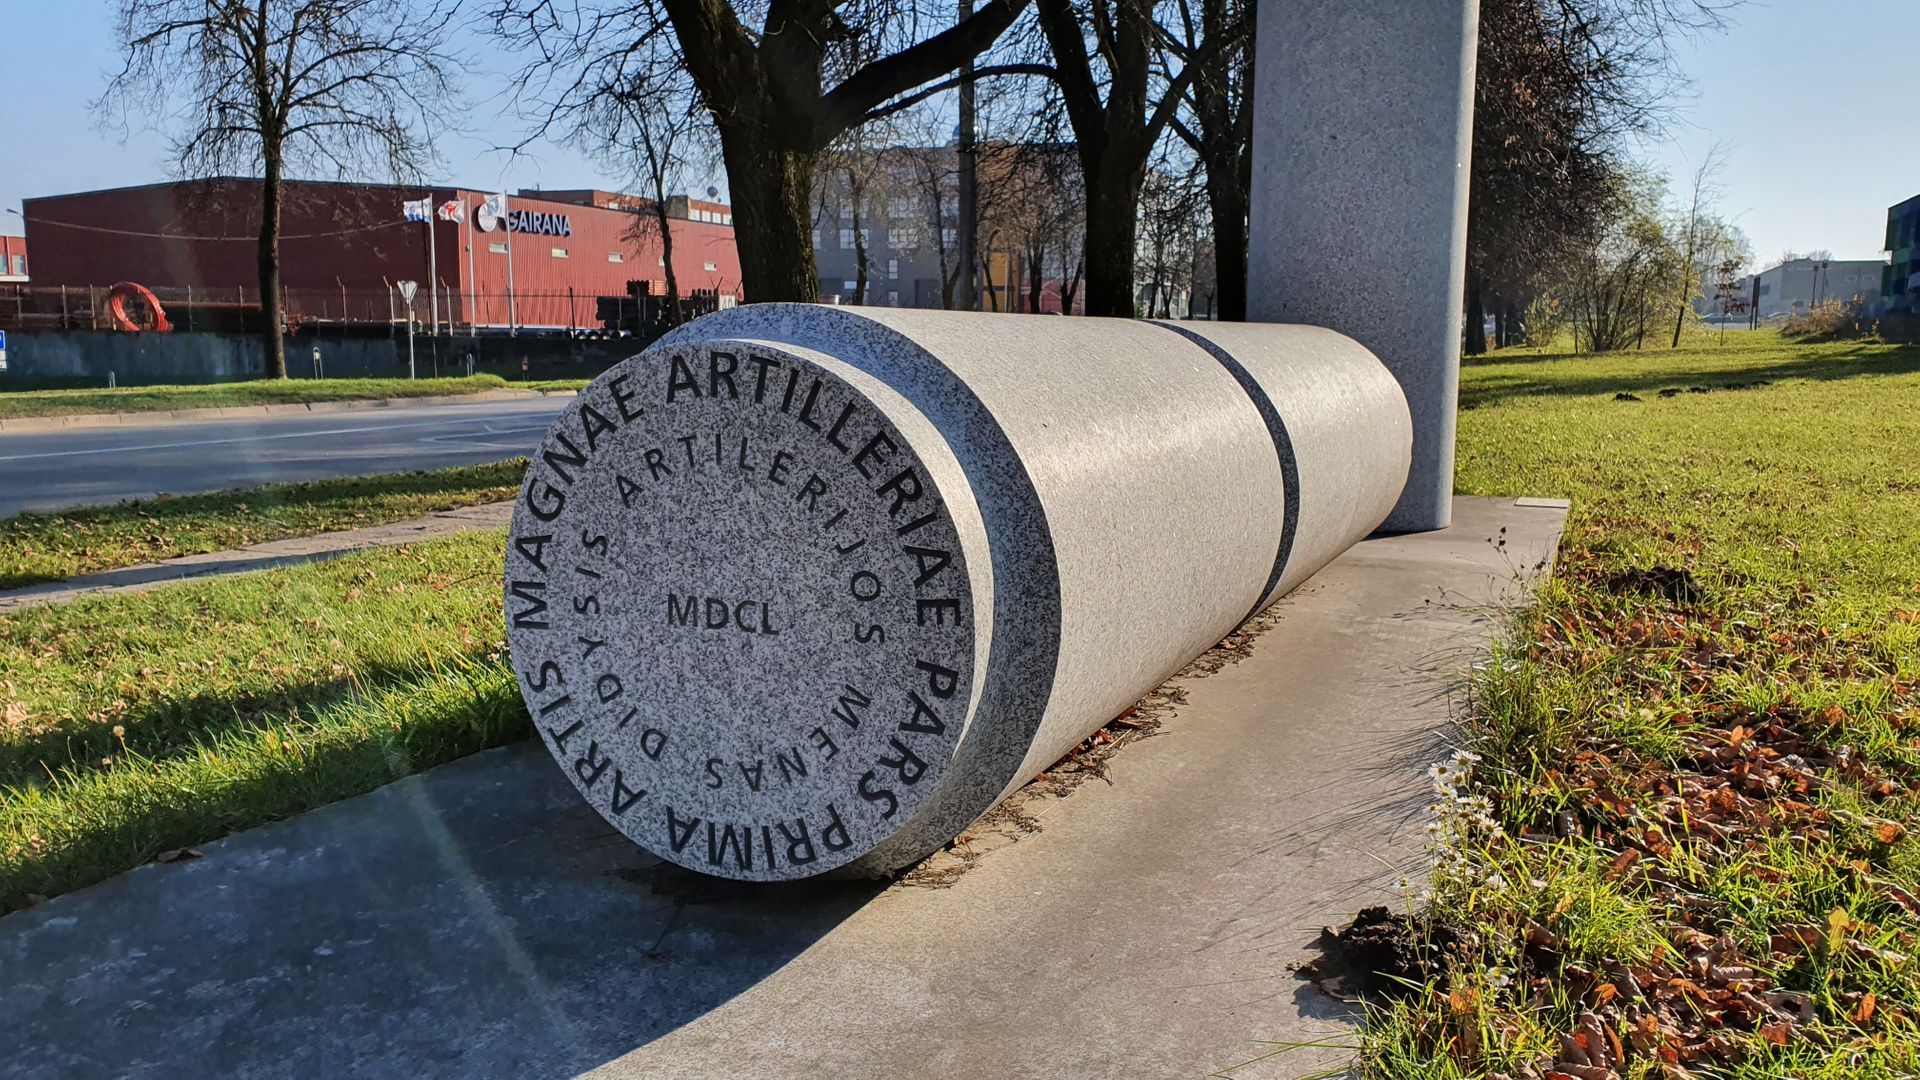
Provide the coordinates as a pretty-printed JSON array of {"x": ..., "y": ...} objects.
[{"x": 1745, "y": 779}]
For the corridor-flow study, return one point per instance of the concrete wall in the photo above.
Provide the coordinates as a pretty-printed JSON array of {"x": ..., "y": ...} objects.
[
  {"x": 140, "y": 359},
  {"x": 83, "y": 357}
]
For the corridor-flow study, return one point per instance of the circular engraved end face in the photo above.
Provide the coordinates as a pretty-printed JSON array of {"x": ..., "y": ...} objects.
[{"x": 739, "y": 610}]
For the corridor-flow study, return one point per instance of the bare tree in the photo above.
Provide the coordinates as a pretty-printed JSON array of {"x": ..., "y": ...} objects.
[
  {"x": 782, "y": 80},
  {"x": 1561, "y": 86},
  {"x": 1695, "y": 227},
  {"x": 1617, "y": 289},
  {"x": 930, "y": 173},
  {"x": 337, "y": 86},
  {"x": 1117, "y": 120},
  {"x": 650, "y": 125},
  {"x": 1171, "y": 204},
  {"x": 1216, "y": 122}
]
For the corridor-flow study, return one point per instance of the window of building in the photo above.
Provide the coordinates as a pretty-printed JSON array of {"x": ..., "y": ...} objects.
[
  {"x": 614, "y": 256},
  {"x": 899, "y": 238},
  {"x": 846, "y": 239},
  {"x": 498, "y": 248},
  {"x": 726, "y": 219},
  {"x": 816, "y": 239},
  {"x": 559, "y": 253},
  {"x": 893, "y": 297},
  {"x": 949, "y": 237},
  {"x": 893, "y": 269},
  {"x": 902, "y": 207},
  {"x": 849, "y": 285},
  {"x": 19, "y": 266},
  {"x": 711, "y": 265}
]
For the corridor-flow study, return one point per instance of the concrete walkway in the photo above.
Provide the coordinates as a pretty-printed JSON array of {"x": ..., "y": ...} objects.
[
  {"x": 298, "y": 549},
  {"x": 479, "y": 920}
]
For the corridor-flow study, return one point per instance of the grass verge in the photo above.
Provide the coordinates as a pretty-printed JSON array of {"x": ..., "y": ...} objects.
[
  {"x": 52, "y": 547},
  {"x": 1680, "y": 839},
  {"x": 19, "y": 404},
  {"x": 136, "y": 725}
]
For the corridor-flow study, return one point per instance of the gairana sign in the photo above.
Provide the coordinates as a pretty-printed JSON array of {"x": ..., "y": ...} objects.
[
  {"x": 493, "y": 210},
  {"x": 533, "y": 221}
]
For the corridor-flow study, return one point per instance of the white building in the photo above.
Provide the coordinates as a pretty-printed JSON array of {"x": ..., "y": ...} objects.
[{"x": 1796, "y": 285}]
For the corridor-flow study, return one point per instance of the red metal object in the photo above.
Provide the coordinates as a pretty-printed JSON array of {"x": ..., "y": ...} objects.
[{"x": 117, "y": 308}]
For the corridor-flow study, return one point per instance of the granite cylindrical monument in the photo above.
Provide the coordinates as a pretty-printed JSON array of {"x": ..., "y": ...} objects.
[{"x": 804, "y": 588}]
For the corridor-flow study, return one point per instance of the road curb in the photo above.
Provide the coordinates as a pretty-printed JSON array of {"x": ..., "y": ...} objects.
[{"x": 166, "y": 416}]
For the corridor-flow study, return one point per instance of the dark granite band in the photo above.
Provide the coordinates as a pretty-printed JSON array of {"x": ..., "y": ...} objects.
[{"x": 1282, "y": 445}]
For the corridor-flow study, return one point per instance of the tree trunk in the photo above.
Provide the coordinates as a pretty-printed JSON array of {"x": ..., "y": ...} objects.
[
  {"x": 666, "y": 257},
  {"x": 1069, "y": 289},
  {"x": 859, "y": 257},
  {"x": 1112, "y": 209},
  {"x": 1227, "y": 200},
  {"x": 1476, "y": 319},
  {"x": 275, "y": 343},
  {"x": 1499, "y": 323},
  {"x": 857, "y": 192},
  {"x": 770, "y": 184},
  {"x": 1036, "y": 278}
]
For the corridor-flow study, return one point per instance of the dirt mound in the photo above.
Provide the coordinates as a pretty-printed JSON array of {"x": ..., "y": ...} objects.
[{"x": 1379, "y": 955}]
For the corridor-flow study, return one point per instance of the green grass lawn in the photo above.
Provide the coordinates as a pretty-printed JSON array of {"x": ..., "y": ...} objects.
[
  {"x": 1687, "y": 847},
  {"x": 50, "y": 547},
  {"x": 140, "y": 724},
  {"x": 17, "y": 404}
]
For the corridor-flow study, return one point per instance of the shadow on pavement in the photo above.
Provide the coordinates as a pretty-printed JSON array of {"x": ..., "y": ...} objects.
[{"x": 475, "y": 920}]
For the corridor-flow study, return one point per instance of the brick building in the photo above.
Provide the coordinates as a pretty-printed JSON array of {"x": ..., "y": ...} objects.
[
  {"x": 343, "y": 247},
  {"x": 13, "y": 259}
]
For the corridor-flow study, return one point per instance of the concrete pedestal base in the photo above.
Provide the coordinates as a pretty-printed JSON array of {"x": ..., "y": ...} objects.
[{"x": 480, "y": 920}]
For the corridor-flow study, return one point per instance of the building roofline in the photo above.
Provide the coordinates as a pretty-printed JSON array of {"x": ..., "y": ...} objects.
[{"x": 430, "y": 189}]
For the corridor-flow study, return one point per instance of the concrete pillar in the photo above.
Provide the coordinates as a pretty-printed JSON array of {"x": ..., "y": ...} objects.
[
  {"x": 804, "y": 588},
  {"x": 1363, "y": 124}
]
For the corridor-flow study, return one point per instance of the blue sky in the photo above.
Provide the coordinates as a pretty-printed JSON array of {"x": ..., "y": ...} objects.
[
  {"x": 1807, "y": 97},
  {"x": 1811, "y": 100}
]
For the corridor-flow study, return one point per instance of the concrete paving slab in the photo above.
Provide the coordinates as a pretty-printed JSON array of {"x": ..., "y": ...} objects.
[
  {"x": 264, "y": 556},
  {"x": 479, "y": 920}
]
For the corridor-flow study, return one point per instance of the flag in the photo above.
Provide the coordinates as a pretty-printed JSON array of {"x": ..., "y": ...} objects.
[
  {"x": 418, "y": 209},
  {"x": 453, "y": 210},
  {"x": 495, "y": 206}
]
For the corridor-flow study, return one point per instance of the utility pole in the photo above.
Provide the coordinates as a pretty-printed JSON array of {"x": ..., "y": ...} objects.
[{"x": 969, "y": 190}]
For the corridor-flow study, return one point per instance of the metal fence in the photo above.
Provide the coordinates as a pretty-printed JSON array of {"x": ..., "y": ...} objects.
[{"x": 447, "y": 311}]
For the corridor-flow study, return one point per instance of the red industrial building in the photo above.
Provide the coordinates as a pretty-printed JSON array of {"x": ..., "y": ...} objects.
[
  {"x": 345, "y": 246},
  {"x": 13, "y": 258}
]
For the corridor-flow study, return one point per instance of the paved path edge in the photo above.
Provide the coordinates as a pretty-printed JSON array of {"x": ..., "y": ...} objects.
[{"x": 265, "y": 555}]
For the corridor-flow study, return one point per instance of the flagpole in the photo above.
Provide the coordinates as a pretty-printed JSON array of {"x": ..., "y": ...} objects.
[
  {"x": 433, "y": 265},
  {"x": 513, "y": 315},
  {"x": 473, "y": 287}
]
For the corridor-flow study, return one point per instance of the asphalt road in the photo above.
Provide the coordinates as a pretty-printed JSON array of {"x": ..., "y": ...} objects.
[{"x": 54, "y": 470}]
